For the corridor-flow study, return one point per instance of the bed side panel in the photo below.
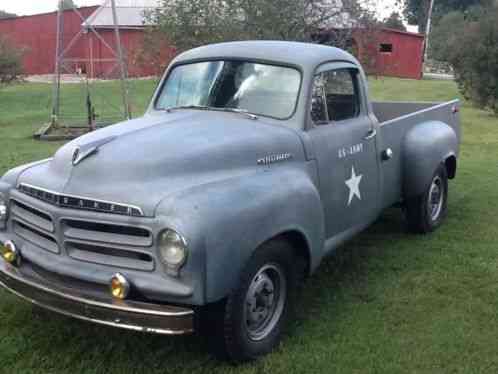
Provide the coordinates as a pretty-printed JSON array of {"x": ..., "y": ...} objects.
[{"x": 392, "y": 135}]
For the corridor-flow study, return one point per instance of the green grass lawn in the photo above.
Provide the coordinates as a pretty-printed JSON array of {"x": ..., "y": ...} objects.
[{"x": 389, "y": 302}]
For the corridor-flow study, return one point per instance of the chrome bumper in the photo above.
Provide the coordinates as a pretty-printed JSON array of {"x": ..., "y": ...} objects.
[{"x": 131, "y": 315}]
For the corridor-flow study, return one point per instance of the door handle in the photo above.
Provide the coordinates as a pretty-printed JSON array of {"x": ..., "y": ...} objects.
[{"x": 371, "y": 134}]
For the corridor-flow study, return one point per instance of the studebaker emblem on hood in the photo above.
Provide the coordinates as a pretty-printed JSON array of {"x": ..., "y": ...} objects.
[{"x": 271, "y": 159}]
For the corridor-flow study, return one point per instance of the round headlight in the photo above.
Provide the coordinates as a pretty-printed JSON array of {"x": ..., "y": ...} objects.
[{"x": 172, "y": 249}]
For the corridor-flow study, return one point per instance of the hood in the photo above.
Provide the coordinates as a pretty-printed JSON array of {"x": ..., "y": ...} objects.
[{"x": 140, "y": 162}]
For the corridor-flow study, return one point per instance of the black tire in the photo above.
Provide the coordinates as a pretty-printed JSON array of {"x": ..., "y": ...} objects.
[
  {"x": 236, "y": 334},
  {"x": 426, "y": 212}
]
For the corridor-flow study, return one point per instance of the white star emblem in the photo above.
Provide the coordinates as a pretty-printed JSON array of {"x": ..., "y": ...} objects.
[{"x": 354, "y": 186}]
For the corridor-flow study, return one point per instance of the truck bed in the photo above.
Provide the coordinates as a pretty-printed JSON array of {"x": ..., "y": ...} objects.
[{"x": 396, "y": 119}]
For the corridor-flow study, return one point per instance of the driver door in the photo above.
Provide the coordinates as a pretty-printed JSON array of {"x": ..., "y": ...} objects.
[{"x": 344, "y": 142}]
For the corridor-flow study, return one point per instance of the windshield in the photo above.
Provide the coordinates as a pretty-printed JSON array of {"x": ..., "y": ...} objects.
[{"x": 261, "y": 89}]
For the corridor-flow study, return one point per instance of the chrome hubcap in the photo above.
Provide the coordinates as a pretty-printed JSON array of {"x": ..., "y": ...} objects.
[
  {"x": 265, "y": 301},
  {"x": 436, "y": 198}
]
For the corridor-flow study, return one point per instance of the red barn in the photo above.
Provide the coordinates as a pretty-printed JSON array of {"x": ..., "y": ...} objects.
[
  {"x": 37, "y": 36},
  {"x": 382, "y": 51},
  {"x": 390, "y": 52}
]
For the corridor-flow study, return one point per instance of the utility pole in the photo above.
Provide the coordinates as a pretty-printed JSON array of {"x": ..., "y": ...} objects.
[{"x": 428, "y": 31}]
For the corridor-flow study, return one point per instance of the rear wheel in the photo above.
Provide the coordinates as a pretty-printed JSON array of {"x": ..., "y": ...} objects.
[
  {"x": 426, "y": 212},
  {"x": 254, "y": 316}
]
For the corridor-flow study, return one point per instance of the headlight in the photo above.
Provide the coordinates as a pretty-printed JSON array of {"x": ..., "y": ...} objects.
[
  {"x": 3, "y": 210},
  {"x": 172, "y": 249}
]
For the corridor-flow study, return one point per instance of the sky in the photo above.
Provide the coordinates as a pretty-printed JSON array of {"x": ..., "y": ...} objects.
[{"x": 26, "y": 7}]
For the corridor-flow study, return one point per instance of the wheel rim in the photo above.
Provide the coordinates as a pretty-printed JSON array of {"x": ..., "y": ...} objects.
[
  {"x": 436, "y": 198},
  {"x": 265, "y": 301}
]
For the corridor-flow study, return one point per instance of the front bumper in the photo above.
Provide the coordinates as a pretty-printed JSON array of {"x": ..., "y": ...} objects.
[{"x": 131, "y": 315}]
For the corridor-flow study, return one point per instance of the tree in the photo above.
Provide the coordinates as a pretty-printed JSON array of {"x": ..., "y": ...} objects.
[
  {"x": 10, "y": 61},
  {"x": 4, "y": 14},
  {"x": 191, "y": 23},
  {"x": 443, "y": 36},
  {"x": 474, "y": 57},
  {"x": 415, "y": 11},
  {"x": 68, "y": 4},
  {"x": 395, "y": 21}
]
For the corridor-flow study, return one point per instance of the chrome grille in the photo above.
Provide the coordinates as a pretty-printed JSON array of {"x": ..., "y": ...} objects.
[
  {"x": 34, "y": 226},
  {"x": 78, "y": 202}
]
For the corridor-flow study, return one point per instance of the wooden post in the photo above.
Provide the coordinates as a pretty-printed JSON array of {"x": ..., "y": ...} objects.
[{"x": 121, "y": 62}]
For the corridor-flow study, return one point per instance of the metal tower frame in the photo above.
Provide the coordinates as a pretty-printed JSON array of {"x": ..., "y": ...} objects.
[{"x": 62, "y": 51}]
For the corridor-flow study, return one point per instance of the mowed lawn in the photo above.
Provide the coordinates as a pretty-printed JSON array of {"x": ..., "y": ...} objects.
[{"x": 388, "y": 302}]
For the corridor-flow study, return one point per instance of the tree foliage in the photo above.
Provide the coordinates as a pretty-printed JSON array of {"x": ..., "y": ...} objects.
[
  {"x": 10, "y": 61},
  {"x": 191, "y": 23},
  {"x": 4, "y": 14},
  {"x": 395, "y": 21},
  {"x": 416, "y": 11},
  {"x": 68, "y": 4},
  {"x": 443, "y": 37},
  {"x": 474, "y": 56}
]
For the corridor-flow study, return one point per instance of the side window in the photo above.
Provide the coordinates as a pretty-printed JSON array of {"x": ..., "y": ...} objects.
[{"x": 335, "y": 96}]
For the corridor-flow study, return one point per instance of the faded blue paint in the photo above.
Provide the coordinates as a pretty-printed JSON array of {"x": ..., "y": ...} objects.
[{"x": 197, "y": 172}]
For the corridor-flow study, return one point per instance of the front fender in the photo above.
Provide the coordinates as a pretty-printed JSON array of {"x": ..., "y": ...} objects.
[
  {"x": 12, "y": 175},
  {"x": 425, "y": 146},
  {"x": 226, "y": 221}
]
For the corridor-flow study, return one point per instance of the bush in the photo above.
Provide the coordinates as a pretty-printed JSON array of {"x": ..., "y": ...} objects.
[
  {"x": 474, "y": 57},
  {"x": 10, "y": 62}
]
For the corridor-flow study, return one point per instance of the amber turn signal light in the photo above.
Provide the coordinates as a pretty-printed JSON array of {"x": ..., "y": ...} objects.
[
  {"x": 9, "y": 252},
  {"x": 120, "y": 287}
]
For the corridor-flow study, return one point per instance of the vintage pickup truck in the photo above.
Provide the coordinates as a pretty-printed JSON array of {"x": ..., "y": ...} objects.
[{"x": 253, "y": 162}]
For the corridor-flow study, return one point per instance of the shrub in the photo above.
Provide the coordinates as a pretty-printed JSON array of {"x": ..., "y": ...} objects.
[
  {"x": 474, "y": 57},
  {"x": 10, "y": 62}
]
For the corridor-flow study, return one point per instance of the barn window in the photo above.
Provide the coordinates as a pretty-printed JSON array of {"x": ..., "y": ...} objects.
[{"x": 386, "y": 48}]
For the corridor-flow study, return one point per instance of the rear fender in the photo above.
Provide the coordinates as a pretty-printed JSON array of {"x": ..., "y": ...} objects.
[{"x": 425, "y": 146}]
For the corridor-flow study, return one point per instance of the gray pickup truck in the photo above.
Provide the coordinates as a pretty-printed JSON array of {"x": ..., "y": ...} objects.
[{"x": 253, "y": 162}]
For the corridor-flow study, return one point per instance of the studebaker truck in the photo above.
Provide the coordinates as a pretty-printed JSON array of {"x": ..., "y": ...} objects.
[{"x": 254, "y": 161}]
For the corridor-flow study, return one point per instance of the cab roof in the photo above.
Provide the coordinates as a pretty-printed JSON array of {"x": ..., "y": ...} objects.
[{"x": 305, "y": 55}]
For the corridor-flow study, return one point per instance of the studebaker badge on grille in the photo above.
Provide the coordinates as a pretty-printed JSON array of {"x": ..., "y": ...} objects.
[{"x": 78, "y": 202}]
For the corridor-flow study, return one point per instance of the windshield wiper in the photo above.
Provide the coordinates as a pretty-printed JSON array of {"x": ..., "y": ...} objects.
[
  {"x": 238, "y": 110},
  {"x": 214, "y": 109},
  {"x": 198, "y": 107}
]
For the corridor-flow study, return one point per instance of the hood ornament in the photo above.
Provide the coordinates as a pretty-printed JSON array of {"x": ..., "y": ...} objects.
[
  {"x": 79, "y": 155},
  {"x": 76, "y": 155},
  {"x": 83, "y": 151}
]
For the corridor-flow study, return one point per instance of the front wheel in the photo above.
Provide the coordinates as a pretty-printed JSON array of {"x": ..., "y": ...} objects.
[
  {"x": 256, "y": 312},
  {"x": 426, "y": 212}
]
